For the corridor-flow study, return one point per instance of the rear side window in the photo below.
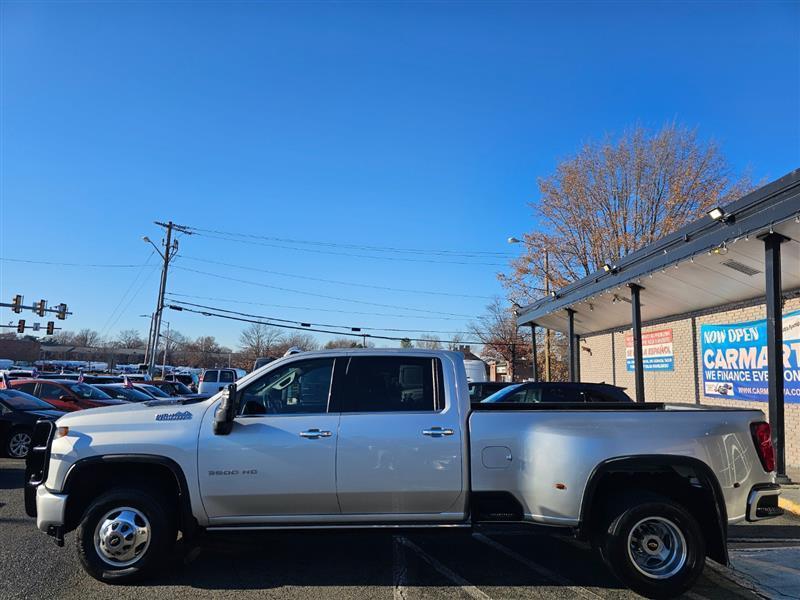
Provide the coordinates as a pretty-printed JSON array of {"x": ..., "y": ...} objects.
[
  {"x": 227, "y": 376},
  {"x": 390, "y": 384},
  {"x": 210, "y": 377},
  {"x": 28, "y": 388}
]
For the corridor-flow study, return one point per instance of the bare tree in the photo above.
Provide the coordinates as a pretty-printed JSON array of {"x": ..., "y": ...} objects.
[
  {"x": 304, "y": 341},
  {"x": 498, "y": 332},
  {"x": 129, "y": 338},
  {"x": 429, "y": 342},
  {"x": 259, "y": 340},
  {"x": 346, "y": 342},
  {"x": 616, "y": 196},
  {"x": 87, "y": 338},
  {"x": 406, "y": 343},
  {"x": 455, "y": 342}
]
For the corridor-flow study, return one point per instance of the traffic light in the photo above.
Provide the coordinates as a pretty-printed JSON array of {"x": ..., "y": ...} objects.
[
  {"x": 21, "y": 326},
  {"x": 62, "y": 311},
  {"x": 51, "y": 327},
  {"x": 16, "y": 305},
  {"x": 40, "y": 307}
]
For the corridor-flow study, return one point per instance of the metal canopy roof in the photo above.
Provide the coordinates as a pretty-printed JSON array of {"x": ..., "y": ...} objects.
[{"x": 708, "y": 263}]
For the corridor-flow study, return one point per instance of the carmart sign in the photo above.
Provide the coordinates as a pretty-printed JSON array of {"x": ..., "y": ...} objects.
[{"x": 735, "y": 359}]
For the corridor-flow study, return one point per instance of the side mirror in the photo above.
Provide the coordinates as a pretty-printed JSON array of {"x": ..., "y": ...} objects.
[{"x": 226, "y": 411}]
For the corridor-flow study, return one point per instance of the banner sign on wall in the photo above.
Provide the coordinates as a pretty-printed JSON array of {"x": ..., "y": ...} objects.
[
  {"x": 735, "y": 359},
  {"x": 656, "y": 351}
]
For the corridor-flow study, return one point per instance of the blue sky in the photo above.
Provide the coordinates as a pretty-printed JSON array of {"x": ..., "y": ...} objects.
[{"x": 415, "y": 125}]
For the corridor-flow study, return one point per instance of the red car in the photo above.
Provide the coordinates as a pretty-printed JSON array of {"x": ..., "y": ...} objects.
[{"x": 65, "y": 394}]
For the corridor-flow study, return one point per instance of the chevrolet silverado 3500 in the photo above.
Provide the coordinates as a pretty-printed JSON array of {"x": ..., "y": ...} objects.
[{"x": 383, "y": 438}]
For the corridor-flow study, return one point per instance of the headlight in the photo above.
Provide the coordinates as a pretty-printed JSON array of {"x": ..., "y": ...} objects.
[{"x": 61, "y": 432}]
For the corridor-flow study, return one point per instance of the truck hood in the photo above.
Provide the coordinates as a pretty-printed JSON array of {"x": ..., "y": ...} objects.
[{"x": 135, "y": 413}]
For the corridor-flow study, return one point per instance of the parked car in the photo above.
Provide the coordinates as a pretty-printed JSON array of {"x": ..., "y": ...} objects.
[
  {"x": 18, "y": 414},
  {"x": 120, "y": 391},
  {"x": 64, "y": 394},
  {"x": 190, "y": 380},
  {"x": 535, "y": 392},
  {"x": 385, "y": 437},
  {"x": 480, "y": 390},
  {"x": 476, "y": 370},
  {"x": 214, "y": 380},
  {"x": 177, "y": 390},
  {"x": 151, "y": 390},
  {"x": 260, "y": 362}
]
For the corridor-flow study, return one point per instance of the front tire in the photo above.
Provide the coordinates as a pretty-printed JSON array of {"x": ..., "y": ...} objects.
[
  {"x": 18, "y": 442},
  {"x": 125, "y": 535},
  {"x": 656, "y": 548}
]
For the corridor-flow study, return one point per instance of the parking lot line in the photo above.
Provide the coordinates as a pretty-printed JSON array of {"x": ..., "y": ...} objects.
[
  {"x": 399, "y": 569},
  {"x": 465, "y": 585},
  {"x": 537, "y": 568}
]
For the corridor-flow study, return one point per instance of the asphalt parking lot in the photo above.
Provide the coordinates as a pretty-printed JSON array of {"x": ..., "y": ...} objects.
[{"x": 330, "y": 565}]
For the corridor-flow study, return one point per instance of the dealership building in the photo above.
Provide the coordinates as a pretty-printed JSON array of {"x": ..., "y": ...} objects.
[{"x": 708, "y": 315}]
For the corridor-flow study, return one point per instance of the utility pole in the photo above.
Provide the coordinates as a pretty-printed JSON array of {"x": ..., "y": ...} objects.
[
  {"x": 164, "y": 362},
  {"x": 170, "y": 250}
]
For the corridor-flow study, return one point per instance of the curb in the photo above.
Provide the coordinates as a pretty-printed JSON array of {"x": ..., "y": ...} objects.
[{"x": 789, "y": 506}]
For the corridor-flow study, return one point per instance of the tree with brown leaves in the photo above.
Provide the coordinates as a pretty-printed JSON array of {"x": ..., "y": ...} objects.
[{"x": 616, "y": 196}]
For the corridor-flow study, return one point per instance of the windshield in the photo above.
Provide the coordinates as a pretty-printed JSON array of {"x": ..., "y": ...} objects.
[
  {"x": 22, "y": 401},
  {"x": 181, "y": 389},
  {"x": 83, "y": 390},
  {"x": 499, "y": 396},
  {"x": 153, "y": 391},
  {"x": 123, "y": 393}
]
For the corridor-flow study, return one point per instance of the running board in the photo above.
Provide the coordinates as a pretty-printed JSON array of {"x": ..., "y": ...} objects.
[{"x": 341, "y": 526}]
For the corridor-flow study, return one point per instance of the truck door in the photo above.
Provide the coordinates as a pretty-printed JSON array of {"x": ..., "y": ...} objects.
[
  {"x": 279, "y": 459},
  {"x": 400, "y": 446}
]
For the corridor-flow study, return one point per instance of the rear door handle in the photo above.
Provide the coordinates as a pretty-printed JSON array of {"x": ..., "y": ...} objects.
[
  {"x": 437, "y": 432},
  {"x": 313, "y": 434}
]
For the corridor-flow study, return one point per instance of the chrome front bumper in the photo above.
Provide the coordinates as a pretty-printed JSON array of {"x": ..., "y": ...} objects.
[
  {"x": 762, "y": 503},
  {"x": 50, "y": 509}
]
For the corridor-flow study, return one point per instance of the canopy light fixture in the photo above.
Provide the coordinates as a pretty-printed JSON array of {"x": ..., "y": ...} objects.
[
  {"x": 609, "y": 268},
  {"x": 718, "y": 214}
]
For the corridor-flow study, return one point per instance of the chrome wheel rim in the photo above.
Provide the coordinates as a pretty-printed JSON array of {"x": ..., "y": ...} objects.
[
  {"x": 657, "y": 547},
  {"x": 122, "y": 536},
  {"x": 19, "y": 444}
]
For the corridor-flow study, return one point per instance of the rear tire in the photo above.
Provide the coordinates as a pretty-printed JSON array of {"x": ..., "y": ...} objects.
[
  {"x": 18, "y": 442},
  {"x": 655, "y": 547},
  {"x": 125, "y": 535}
]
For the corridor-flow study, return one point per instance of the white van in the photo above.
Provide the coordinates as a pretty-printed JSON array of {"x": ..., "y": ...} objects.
[
  {"x": 476, "y": 370},
  {"x": 214, "y": 380}
]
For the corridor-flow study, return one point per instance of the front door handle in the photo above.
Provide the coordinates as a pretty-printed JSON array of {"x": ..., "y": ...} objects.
[
  {"x": 437, "y": 432},
  {"x": 314, "y": 434}
]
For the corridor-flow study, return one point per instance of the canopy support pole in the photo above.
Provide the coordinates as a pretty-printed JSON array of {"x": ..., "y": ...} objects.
[
  {"x": 636, "y": 323},
  {"x": 772, "y": 270},
  {"x": 534, "y": 365},
  {"x": 571, "y": 340}
]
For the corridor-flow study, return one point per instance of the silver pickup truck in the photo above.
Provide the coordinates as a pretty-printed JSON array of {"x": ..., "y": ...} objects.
[{"x": 349, "y": 439}]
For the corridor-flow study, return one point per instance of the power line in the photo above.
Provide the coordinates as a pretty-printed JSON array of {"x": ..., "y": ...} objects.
[
  {"x": 335, "y": 253},
  {"x": 106, "y": 327},
  {"x": 338, "y": 282},
  {"x": 283, "y": 289},
  {"x": 463, "y": 253},
  {"x": 308, "y": 325},
  {"x": 329, "y": 310},
  {"x": 71, "y": 264},
  {"x": 315, "y": 330}
]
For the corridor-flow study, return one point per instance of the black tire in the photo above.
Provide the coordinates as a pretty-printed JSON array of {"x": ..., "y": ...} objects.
[
  {"x": 12, "y": 447},
  {"x": 162, "y": 534},
  {"x": 681, "y": 567}
]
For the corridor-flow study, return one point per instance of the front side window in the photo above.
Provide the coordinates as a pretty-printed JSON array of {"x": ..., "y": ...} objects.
[
  {"x": 301, "y": 387},
  {"x": 389, "y": 384},
  {"x": 87, "y": 392},
  {"x": 50, "y": 391}
]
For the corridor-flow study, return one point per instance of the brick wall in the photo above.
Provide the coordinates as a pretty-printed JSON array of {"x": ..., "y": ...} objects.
[{"x": 603, "y": 359}]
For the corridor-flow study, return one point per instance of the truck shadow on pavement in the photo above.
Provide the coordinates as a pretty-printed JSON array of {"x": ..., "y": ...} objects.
[
  {"x": 12, "y": 478},
  {"x": 369, "y": 559}
]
